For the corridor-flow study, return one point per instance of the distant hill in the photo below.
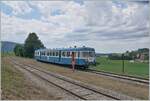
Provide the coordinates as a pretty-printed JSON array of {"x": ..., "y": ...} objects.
[
  {"x": 103, "y": 54},
  {"x": 7, "y": 46}
]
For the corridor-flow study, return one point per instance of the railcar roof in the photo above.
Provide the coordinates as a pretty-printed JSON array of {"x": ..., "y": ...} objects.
[{"x": 71, "y": 49}]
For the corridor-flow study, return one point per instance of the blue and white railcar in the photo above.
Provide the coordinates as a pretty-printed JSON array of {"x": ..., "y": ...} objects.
[{"x": 84, "y": 56}]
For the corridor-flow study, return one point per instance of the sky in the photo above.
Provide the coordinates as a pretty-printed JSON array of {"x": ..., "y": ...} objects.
[{"x": 106, "y": 25}]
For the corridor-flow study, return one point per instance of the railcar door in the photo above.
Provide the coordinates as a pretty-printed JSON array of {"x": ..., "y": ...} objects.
[
  {"x": 59, "y": 56},
  {"x": 40, "y": 54},
  {"x": 78, "y": 57}
]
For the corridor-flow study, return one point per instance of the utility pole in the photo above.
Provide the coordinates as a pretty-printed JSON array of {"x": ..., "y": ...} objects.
[{"x": 123, "y": 63}]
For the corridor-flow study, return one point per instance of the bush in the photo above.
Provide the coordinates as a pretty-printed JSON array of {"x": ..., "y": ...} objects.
[{"x": 19, "y": 50}]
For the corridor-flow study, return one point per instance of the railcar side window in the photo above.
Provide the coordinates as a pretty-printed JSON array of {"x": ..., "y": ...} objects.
[
  {"x": 75, "y": 54},
  {"x": 63, "y": 54},
  {"x": 47, "y": 53},
  {"x": 53, "y": 53},
  {"x": 78, "y": 54},
  {"x": 68, "y": 54},
  {"x": 50, "y": 53},
  {"x": 56, "y": 53}
]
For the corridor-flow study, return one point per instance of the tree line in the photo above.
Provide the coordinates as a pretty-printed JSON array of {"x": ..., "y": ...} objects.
[
  {"x": 27, "y": 49},
  {"x": 131, "y": 55}
]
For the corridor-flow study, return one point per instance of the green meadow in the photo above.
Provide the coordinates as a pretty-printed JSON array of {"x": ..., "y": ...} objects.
[{"x": 138, "y": 69}]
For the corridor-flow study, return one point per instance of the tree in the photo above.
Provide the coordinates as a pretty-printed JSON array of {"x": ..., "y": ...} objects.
[
  {"x": 31, "y": 44},
  {"x": 115, "y": 56},
  {"x": 19, "y": 50}
]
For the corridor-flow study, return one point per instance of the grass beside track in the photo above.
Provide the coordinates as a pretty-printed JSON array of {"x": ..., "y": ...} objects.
[
  {"x": 138, "y": 91},
  {"x": 16, "y": 87},
  {"x": 137, "y": 69},
  {"x": 11, "y": 82}
]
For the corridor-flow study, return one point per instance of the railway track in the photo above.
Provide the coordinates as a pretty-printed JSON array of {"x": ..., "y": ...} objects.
[
  {"x": 119, "y": 76},
  {"x": 76, "y": 89}
]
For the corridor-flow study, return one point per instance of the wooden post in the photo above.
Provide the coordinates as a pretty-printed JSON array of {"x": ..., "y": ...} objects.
[{"x": 123, "y": 63}]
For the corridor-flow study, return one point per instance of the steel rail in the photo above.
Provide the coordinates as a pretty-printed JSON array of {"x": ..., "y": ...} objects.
[
  {"x": 130, "y": 78},
  {"x": 50, "y": 81}
]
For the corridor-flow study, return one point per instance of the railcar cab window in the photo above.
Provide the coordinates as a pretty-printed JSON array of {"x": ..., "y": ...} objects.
[
  {"x": 88, "y": 54},
  {"x": 91, "y": 54}
]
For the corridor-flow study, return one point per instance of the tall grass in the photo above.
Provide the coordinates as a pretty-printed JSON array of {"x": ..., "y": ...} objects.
[{"x": 3, "y": 54}]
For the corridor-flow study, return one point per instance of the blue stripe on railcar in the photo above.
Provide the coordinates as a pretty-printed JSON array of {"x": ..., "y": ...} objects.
[{"x": 66, "y": 61}]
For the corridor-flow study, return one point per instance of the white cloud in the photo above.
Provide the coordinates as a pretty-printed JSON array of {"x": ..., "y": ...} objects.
[
  {"x": 74, "y": 14},
  {"x": 17, "y": 29},
  {"x": 19, "y": 7},
  {"x": 104, "y": 25}
]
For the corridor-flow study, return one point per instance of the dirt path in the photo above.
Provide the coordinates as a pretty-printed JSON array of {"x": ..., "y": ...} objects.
[{"x": 138, "y": 91}]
